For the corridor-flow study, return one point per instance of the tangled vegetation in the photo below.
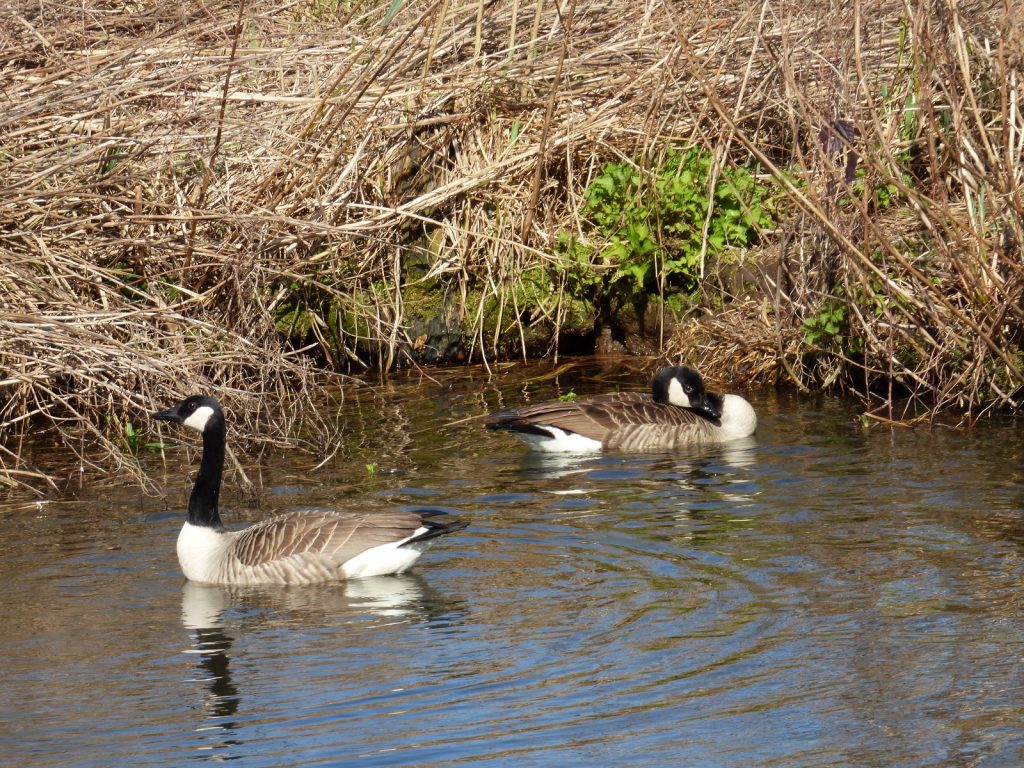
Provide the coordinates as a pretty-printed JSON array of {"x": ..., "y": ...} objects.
[{"x": 247, "y": 197}]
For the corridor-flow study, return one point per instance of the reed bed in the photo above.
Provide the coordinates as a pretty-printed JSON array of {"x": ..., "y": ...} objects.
[
  {"x": 242, "y": 197},
  {"x": 917, "y": 265}
]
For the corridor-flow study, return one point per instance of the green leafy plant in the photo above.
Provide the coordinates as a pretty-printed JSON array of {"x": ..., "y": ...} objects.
[
  {"x": 886, "y": 191},
  {"x": 132, "y": 441},
  {"x": 646, "y": 228},
  {"x": 827, "y": 328}
]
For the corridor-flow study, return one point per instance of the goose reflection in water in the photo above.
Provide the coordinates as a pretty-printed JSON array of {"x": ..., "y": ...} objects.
[
  {"x": 202, "y": 609},
  {"x": 737, "y": 455},
  {"x": 207, "y": 610}
]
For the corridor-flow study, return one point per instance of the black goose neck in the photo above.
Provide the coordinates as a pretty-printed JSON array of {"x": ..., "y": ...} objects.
[{"x": 202, "y": 504}]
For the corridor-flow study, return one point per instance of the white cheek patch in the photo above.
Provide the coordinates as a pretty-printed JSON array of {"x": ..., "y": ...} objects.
[
  {"x": 199, "y": 417},
  {"x": 676, "y": 396}
]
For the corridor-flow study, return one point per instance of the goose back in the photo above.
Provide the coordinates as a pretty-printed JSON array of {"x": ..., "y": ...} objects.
[
  {"x": 619, "y": 421},
  {"x": 309, "y": 546},
  {"x": 677, "y": 412}
]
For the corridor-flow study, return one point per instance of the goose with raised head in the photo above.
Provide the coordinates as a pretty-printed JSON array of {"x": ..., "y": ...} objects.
[
  {"x": 676, "y": 413},
  {"x": 295, "y": 548}
]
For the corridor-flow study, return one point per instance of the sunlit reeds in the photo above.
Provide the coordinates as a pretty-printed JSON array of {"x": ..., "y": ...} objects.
[{"x": 189, "y": 188}]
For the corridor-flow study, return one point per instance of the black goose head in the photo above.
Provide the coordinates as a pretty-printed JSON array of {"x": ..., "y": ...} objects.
[
  {"x": 203, "y": 414},
  {"x": 712, "y": 408},
  {"x": 683, "y": 387},
  {"x": 198, "y": 412}
]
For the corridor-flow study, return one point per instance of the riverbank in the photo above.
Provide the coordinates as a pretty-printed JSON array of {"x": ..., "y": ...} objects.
[{"x": 248, "y": 198}]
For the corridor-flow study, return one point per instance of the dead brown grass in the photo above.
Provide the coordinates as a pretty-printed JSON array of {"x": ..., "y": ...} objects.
[
  {"x": 930, "y": 281},
  {"x": 184, "y": 183}
]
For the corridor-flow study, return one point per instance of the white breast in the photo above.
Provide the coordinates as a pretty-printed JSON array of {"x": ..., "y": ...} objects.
[
  {"x": 201, "y": 552},
  {"x": 738, "y": 418}
]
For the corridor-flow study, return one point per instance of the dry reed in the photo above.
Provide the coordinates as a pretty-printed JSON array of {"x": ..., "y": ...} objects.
[
  {"x": 924, "y": 255},
  {"x": 183, "y": 182}
]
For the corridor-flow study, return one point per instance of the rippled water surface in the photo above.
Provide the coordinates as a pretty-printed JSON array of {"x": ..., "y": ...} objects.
[{"x": 822, "y": 595}]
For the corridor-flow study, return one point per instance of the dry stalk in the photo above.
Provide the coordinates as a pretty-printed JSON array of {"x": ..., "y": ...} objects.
[{"x": 227, "y": 196}]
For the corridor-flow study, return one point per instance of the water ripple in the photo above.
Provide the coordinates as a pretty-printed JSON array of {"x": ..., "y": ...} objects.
[{"x": 819, "y": 596}]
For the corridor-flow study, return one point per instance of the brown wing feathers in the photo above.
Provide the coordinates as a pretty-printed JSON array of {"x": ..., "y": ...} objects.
[
  {"x": 338, "y": 535},
  {"x": 594, "y": 417}
]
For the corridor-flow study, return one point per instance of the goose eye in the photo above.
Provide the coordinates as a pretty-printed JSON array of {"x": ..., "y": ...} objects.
[{"x": 687, "y": 389}]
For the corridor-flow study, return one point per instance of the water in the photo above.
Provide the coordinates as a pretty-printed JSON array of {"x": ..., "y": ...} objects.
[{"x": 821, "y": 595}]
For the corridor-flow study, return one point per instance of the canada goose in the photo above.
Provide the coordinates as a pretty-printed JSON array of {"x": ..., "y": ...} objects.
[
  {"x": 294, "y": 548},
  {"x": 678, "y": 412}
]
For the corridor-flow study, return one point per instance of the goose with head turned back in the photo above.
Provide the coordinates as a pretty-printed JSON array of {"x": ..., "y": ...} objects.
[
  {"x": 676, "y": 413},
  {"x": 294, "y": 548}
]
